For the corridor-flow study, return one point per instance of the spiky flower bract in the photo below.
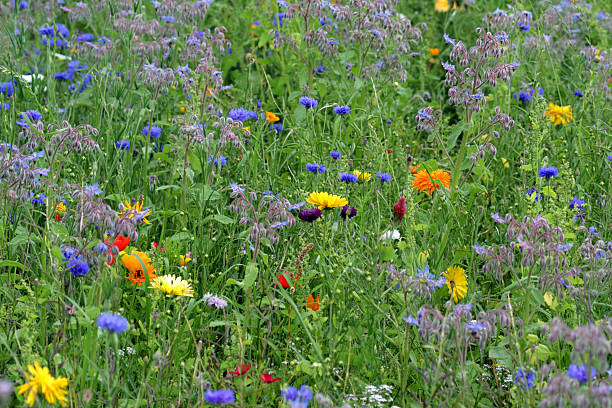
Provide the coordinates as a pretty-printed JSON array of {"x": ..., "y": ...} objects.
[
  {"x": 326, "y": 200},
  {"x": 456, "y": 282}
]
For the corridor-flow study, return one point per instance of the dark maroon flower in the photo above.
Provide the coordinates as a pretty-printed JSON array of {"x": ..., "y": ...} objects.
[
  {"x": 399, "y": 209},
  {"x": 309, "y": 215},
  {"x": 348, "y": 212}
]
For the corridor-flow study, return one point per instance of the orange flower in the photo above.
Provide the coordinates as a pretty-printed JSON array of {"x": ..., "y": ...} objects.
[
  {"x": 424, "y": 181},
  {"x": 132, "y": 263},
  {"x": 271, "y": 116},
  {"x": 413, "y": 169},
  {"x": 434, "y": 51},
  {"x": 312, "y": 304}
]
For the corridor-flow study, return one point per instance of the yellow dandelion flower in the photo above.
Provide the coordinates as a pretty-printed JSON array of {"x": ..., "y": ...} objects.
[
  {"x": 326, "y": 200},
  {"x": 456, "y": 282},
  {"x": 172, "y": 286},
  {"x": 442, "y": 6},
  {"x": 362, "y": 176},
  {"x": 135, "y": 210},
  {"x": 559, "y": 115},
  {"x": 39, "y": 380}
]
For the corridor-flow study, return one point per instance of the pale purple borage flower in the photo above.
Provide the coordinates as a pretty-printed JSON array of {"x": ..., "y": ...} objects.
[
  {"x": 387, "y": 37},
  {"x": 583, "y": 383},
  {"x": 215, "y": 301},
  {"x": 265, "y": 215},
  {"x": 423, "y": 283}
]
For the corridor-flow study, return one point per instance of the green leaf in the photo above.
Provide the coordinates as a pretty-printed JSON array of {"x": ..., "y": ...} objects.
[
  {"x": 250, "y": 275},
  {"x": 526, "y": 167},
  {"x": 451, "y": 140},
  {"x": 500, "y": 354},
  {"x": 542, "y": 352},
  {"x": 537, "y": 296},
  {"x": 13, "y": 264},
  {"x": 386, "y": 253},
  {"x": 223, "y": 219},
  {"x": 549, "y": 192}
]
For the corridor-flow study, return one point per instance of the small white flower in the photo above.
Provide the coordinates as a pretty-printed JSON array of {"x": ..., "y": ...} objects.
[{"x": 395, "y": 234}]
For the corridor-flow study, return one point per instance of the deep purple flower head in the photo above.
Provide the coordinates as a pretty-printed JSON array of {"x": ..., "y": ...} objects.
[
  {"x": 308, "y": 102},
  {"x": 155, "y": 131},
  {"x": 548, "y": 172},
  {"x": 309, "y": 215},
  {"x": 578, "y": 94},
  {"x": 123, "y": 144},
  {"x": 220, "y": 397},
  {"x": 348, "y": 211},
  {"x": 579, "y": 373},
  {"x": 112, "y": 322},
  {"x": 342, "y": 110}
]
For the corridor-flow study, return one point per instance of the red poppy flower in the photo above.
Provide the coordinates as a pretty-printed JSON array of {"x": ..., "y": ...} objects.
[
  {"x": 157, "y": 246},
  {"x": 121, "y": 242},
  {"x": 267, "y": 378},
  {"x": 389, "y": 151},
  {"x": 241, "y": 369},
  {"x": 283, "y": 281}
]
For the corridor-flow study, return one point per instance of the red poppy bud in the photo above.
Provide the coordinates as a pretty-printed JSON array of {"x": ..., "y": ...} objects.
[{"x": 283, "y": 281}]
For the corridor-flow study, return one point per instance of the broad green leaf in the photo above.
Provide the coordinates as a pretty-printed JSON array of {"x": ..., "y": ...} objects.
[{"x": 250, "y": 275}]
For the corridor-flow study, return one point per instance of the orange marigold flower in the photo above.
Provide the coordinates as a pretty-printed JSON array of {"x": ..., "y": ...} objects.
[
  {"x": 271, "y": 116},
  {"x": 132, "y": 263},
  {"x": 434, "y": 51},
  {"x": 413, "y": 169},
  {"x": 424, "y": 181},
  {"x": 313, "y": 304}
]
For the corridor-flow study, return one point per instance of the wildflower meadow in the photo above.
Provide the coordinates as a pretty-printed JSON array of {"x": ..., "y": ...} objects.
[{"x": 306, "y": 203}]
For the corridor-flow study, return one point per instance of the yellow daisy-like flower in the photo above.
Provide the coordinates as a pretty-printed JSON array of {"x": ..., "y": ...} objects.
[
  {"x": 326, "y": 200},
  {"x": 362, "y": 176},
  {"x": 172, "y": 286},
  {"x": 39, "y": 380},
  {"x": 456, "y": 282},
  {"x": 135, "y": 210},
  {"x": 60, "y": 209},
  {"x": 442, "y": 5},
  {"x": 559, "y": 115}
]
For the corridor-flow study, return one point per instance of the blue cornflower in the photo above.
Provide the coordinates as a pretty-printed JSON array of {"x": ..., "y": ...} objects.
[
  {"x": 342, "y": 110},
  {"x": 77, "y": 266},
  {"x": 578, "y": 94},
  {"x": 383, "y": 177},
  {"x": 112, "y": 322},
  {"x": 276, "y": 127},
  {"x": 218, "y": 161},
  {"x": 37, "y": 199},
  {"x": 548, "y": 172},
  {"x": 579, "y": 373},
  {"x": 312, "y": 167},
  {"x": 123, "y": 144},
  {"x": 335, "y": 155},
  {"x": 85, "y": 37},
  {"x": 239, "y": 114},
  {"x": 576, "y": 203},
  {"x": 155, "y": 131},
  {"x": 23, "y": 4},
  {"x": 349, "y": 177},
  {"x": 524, "y": 378},
  {"x": 308, "y": 102},
  {"x": 609, "y": 158},
  {"x": 523, "y": 97},
  {"x": 530, "y": 193},
  {"x": 33, "y": 115},
  {"x": 319, "y": 70},
  {"x": 278, "y": 19},
  {"x": 524, "y": 27},
  {"x": 7, "y": 88},
  {"x": 92, "y": 190},
  {"x": 297, "y": 398},
  {"x": 219, "y": 396}
]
